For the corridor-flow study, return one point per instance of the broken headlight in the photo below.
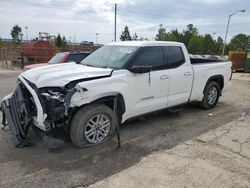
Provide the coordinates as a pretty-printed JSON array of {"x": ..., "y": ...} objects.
[
  {"x": 51, "y": 94},
  {"x": 53, "y": 103}
]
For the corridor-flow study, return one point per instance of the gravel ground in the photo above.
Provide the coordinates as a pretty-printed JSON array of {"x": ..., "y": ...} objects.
[
  {"x": 68, "y": 166},
  {"x": 219, "y": 158}
]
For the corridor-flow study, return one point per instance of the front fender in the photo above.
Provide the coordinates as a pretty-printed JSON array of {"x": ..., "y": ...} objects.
[{"x": 79, "y": 98}]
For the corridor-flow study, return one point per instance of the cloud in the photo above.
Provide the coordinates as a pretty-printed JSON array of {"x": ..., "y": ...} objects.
[
  {"x": 215, "y": 2},
  {"x": 84, "y": 18}
]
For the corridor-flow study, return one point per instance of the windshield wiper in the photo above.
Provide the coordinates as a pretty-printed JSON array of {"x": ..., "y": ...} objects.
[
  {"x": 88, "y": 65},
  {"x": 105, "y": 67}
]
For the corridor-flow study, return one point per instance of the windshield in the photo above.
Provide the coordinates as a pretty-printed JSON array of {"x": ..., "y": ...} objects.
[
  {"x": 110, "y": 56},
  {"x": 57, "y": 58}
]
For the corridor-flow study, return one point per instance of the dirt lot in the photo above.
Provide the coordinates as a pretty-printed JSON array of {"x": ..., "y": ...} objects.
[{"x": 71, "y": 167}]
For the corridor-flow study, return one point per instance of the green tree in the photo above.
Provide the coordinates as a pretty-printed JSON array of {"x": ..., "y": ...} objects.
[
  {"x": 135, "y": 36},
  {"x": 189, "y": 33},
  {"x": 125, "y": 34},
  {"x": 59, "y": 41},
  {"x": 219, "y": 45},
  {"x": 208, "y": 45},
  {"x": 195, "y": 44},
  {"x": 174, "y": 35},
  {"x": 162, "y": 34},
  {"x": 16, "y": 33},
  {"x": 1, "y": 42},
  {"x": 239, "y": 42},
  {"x": 53, "y": 42},
  {"x": 64, "y": 43}
]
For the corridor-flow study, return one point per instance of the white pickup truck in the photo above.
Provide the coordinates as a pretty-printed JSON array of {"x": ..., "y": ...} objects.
[{"x": 115, "y": 83}]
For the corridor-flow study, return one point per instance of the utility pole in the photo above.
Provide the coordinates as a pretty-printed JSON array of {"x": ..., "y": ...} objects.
[
  {"x": 228, "y": 22},
  {"x": 97, "y": 38},
  {"x": 115, "y": 21},
  {"x": 26, "y": 28}
]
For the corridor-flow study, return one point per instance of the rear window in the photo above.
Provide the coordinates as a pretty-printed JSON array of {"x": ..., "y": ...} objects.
[
  {"x": 77, "y": 57},
  {"x": 174, "y": 56}
]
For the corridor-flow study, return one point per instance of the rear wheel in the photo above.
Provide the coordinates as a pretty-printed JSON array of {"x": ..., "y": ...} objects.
[
  {"x": 211, "y": 95},
  {"x": 92, "y": 125}
]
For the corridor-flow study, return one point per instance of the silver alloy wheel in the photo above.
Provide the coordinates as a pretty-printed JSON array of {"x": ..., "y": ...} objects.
[
  {"x": 212, "y": 95},
  {"x": 97, "y": 128}
]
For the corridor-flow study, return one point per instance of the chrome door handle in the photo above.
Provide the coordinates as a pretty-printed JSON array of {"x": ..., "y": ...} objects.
[
  {"x": 163, "y": 77},
  {"x": 187, "y": 74}
]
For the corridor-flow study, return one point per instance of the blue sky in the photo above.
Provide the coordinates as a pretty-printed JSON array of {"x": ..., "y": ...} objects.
[{"x": 82, "y": 19}]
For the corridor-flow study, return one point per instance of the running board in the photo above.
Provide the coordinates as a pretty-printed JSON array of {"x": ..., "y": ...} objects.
[{"x": 175, "y": 109}]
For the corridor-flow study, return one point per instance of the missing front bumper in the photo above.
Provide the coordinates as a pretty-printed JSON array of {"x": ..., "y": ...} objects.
[{"x": 18, "y": 117}]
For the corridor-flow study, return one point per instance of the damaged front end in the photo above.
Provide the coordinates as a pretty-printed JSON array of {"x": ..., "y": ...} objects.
[
  {"x": 17, "y": 111},
  {"x": 45, "y": 108},
  {"x": 52, "y": 100}
]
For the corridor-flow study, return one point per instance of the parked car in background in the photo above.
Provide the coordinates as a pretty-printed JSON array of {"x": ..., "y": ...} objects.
[
  {"x": 87, "y": 43},
  {"x": 225, "y": 57},
  {"x": 62, "y": 57},
  {"x": 214, "y": 57}
]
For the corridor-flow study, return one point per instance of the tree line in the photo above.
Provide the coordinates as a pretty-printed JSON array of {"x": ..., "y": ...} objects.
[
  {"x": 195, "y": 42},
  {"x": 57, "y": 41}
]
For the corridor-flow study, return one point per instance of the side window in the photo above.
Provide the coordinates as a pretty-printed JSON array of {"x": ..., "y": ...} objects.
[
  {"x": 174, "y": 56},
  {"x": 70, "y": 58},
  {"x": 151, "y": 56},
  {"x": 80, "y": 57},
  {"x": 76, "y": 57}
]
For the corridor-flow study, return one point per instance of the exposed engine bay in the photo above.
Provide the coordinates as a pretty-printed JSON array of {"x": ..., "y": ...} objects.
[{"x": 20, "y": 111}]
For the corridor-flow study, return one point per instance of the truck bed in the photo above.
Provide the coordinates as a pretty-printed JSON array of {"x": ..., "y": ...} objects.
[
  {"x": 204, "y": 60},
  {"x": 205, "y": 69}
]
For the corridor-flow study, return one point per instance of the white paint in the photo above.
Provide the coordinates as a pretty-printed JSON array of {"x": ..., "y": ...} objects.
[
  {"x": 40, "y": 115},
  {"x": 59, "y": 75}
]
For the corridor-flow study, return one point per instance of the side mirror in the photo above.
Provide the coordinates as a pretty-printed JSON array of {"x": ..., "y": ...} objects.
[{"x": 140, "y": 69}]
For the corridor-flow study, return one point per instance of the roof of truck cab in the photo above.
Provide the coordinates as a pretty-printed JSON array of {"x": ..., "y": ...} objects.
[{"x": 145, "y": 43}]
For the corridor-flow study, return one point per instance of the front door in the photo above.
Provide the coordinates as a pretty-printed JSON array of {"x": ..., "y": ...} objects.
[{"x": 152, "y": 87}]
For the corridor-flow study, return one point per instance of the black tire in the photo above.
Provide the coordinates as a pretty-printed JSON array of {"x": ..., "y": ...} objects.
[
  {"x": 209, "y": 104},
  {"x": 80, "y": 123}
]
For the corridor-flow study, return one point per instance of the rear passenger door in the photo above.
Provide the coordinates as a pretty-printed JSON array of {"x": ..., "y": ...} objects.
[{"x": 181, "y": 75}]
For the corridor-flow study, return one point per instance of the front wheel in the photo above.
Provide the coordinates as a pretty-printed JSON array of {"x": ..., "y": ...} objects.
[
  {"x": 92, "y": 125},
  {"x": 211, "y": 95}
]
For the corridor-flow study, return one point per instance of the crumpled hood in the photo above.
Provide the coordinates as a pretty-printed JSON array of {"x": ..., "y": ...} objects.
[{"x": 61, "y": 74}]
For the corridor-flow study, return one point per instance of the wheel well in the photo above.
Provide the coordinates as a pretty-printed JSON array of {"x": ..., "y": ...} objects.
[
  {"x": 218, "y": 79},
  {"x": 109, "y": 101}
]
